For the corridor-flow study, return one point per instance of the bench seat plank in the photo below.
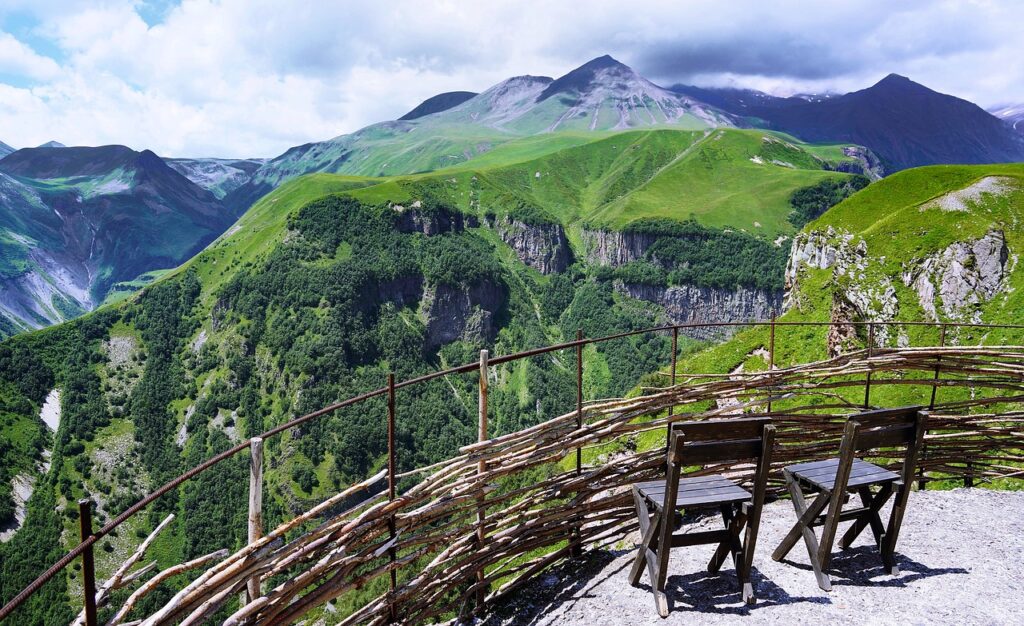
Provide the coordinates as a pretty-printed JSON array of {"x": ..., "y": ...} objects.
[
  {"x": 822, "y": 474},
  {"x": 696, "y": 491}
]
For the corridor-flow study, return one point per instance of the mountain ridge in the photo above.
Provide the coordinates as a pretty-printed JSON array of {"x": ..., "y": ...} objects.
[
  {"x": 79, "y": 220},
  {"x": 904, "y": 122},
  {"x": 438, "y": 103}
]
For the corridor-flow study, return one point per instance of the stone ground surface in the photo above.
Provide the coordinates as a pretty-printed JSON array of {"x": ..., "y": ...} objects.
[{"x": 960, "y": 554}]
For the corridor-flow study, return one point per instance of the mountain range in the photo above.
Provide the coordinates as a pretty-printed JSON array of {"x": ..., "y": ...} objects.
[
  {"x": 506, "y": 220},
  {"x": 50, "y": 272},
  {"x": 76, "y": 221},
  {"x": 1012, "y": 114},
  {"x": 904, "y": 123}
]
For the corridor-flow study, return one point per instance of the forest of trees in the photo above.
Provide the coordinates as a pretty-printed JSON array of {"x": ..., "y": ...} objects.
[
  {"x": 810, "y": 203},
  {"x": 324, "y": 316},
  {"x": 690, "y": 253}
]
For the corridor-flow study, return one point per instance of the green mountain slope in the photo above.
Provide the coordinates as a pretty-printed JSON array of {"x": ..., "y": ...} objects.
[
  {"x": 938, "y": 243},
  {"x": 330, "y": 282},
  {"x": 75, "y": 221},
  {"x": 722, "y": 178}
]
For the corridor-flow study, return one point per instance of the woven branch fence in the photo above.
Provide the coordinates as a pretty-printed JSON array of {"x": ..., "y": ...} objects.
[{"x": 472, "y": 528}]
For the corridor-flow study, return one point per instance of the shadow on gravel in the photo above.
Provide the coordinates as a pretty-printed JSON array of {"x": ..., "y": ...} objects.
[
  {"x": 719, "y": 593},
  {"x": 561, "y": 587},
  {"x": 862, "y": 567}
]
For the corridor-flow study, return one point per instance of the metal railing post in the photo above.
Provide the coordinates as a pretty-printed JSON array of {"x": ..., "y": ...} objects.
[
  {"x": 392, "y": 555},
  {"x": 255, "y": 506},
  {"x": 867, "y": 381},
  {"x": 88, "y": 564},
  {"x": 481, "y": 529}
]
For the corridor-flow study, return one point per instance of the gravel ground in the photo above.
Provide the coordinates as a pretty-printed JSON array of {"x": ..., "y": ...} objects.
[{"x": 960, "y": 554}]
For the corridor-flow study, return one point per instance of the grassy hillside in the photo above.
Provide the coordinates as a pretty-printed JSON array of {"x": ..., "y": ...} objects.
[
  {"x": 900, "y": 222},
  {"x": 722, "y": 178},
  {"x": 325, "y": 286}
]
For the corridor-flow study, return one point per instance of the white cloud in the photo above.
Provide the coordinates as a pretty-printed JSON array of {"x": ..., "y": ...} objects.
[
  {"x": 254, "y": 77},
  {"x": 17, "y": 59}
]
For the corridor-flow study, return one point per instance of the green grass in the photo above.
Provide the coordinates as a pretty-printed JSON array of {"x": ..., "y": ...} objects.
[
  {"x": 603, "y": 180},
  {"x": 262, "y": 227}
]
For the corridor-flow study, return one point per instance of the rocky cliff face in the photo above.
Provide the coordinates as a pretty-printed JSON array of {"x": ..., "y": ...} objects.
[
  {"x": 452, "y": 312},
  {"x": 863, "y": 293},
  {"x": 691, "y": 304},
  {"x": 950, "y": 284},
  {"x": 615, "y": 248},
  {"x": 867, "y": 163},
  {"x": 435, "y": 221},
  {"x": 544, "y": 247},
  {"x": 962, "y": 276}
]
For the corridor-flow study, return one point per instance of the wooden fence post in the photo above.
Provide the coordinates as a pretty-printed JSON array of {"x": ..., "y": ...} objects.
[
  {"x": 88, "y": 565},
  {"x": 771, "y": 360},
  {"x": 574, "y": 531},
  {"x": 672, "y": 382},
  {"x": 481, "y": 531},
  {"x": 392, "y": 554},
  {"x": 255, "y": 506},
  {"x": 921, "y": 483},
  {"x": 867, "y": 381}
]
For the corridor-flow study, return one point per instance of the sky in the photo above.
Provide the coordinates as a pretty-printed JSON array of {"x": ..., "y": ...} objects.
[{"x": 251, "y": 78}]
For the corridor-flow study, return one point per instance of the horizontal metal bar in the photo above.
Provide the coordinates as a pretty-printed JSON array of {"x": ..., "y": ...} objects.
[{"x": 43, "y": 578}]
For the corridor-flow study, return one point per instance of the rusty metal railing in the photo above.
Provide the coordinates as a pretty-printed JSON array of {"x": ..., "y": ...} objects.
[{"x": 89, "y": 537}]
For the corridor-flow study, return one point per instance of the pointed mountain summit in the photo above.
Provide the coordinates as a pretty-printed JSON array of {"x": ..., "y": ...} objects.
[
  {"x": 52, "y": 144},
  {"x": 600, "y": 95},
  {"x": 586, "y": 76}
]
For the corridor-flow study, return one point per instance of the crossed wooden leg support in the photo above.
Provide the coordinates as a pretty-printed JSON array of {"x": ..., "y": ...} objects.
[
  {"x": 865, "y": 516},
  {"x": 657, "y": 539}
]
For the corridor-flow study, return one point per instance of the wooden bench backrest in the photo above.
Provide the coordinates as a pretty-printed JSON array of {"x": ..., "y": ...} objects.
[
  {"x": 713, "y": 441},
  {"x": 886, "y": 428}
]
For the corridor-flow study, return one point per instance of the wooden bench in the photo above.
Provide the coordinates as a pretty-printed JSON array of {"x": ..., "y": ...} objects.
[
  {"x": 833, "y": 479},
  {"x": 696, "y": 443}
]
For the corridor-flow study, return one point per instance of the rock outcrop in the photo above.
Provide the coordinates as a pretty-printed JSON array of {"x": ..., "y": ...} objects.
[
  {"x": 452, "y": 312},
  {"x": 867, "y": 163},
  {"x": 433, "y": 221},
  {"x": 685, "y": 304},
  {"x": 962, "y": 276},
  {"x": 615, "y": 248},
  {"x": 544, "y": 247},
  {"x": 866, "y": 295}
]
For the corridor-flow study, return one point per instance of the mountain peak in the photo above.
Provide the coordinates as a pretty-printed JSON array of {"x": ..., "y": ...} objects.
[
  {"x": 52, "y": 144},
  {"x": 584, "y": 77},
  {"x": 898, "y": 82},
  {"x": 603, "y": 61},
  {"x": 438, "y": 103}
]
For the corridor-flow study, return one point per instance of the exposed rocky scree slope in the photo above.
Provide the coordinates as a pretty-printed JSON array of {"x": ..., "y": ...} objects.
[{"x": 78, "y": 220}]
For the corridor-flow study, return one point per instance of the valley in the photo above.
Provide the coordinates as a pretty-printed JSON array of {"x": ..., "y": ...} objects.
[{"x": 183, "y": 305}]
